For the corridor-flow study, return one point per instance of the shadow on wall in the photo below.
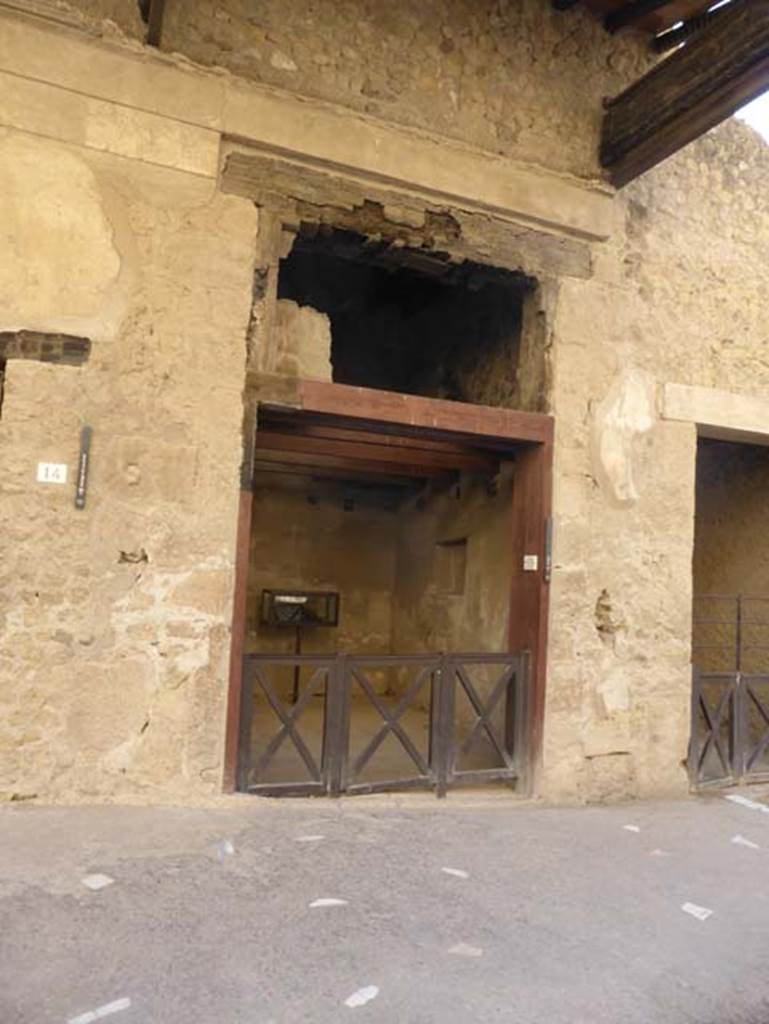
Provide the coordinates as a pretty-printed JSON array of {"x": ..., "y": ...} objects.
[{"x": 411, "y": 321}]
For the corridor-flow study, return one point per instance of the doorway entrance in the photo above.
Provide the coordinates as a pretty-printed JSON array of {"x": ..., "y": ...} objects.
[
  {"x": 424, "y": 522},
  {"x": 730, "y": 641}
]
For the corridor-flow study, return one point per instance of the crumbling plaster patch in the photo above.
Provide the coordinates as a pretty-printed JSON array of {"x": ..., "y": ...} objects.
[
  {"x": 620, "y": 424},
  {"x": 302, "y": 341},
  {"x": 51, "y": 203}
]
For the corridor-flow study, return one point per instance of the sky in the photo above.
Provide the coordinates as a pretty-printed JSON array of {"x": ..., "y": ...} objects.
[{"x": 757, "y": 115}]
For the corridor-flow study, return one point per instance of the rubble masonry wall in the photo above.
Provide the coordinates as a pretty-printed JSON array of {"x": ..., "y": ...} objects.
[{"x": 115, "y": 620}]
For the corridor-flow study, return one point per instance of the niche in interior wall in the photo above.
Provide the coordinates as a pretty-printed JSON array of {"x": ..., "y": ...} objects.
[{"x": 451, "y": 565}]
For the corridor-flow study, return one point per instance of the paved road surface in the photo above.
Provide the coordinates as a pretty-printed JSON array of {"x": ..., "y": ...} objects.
[{"x": 565, "y": 916}]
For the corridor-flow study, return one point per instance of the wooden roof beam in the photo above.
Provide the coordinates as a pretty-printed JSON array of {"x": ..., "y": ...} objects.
[
  {"x": 630, "y": 13},
  {"x": 722, "y": 68},
  {"x": 673, "y": 37}
]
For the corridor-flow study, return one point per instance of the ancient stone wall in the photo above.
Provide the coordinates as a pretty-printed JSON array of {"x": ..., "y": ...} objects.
[
  {"x": 115, "y": 635},
  {"x": 677, "y": 295},
  {"x": 453, "y": 569},
  {"x": 511, "y": 76},
  {"x": 115, "y": 618},
  {"x": 103, "y": 15},
  {"x": 302, "y": 341},
  {"x": 303, "y": 538}
]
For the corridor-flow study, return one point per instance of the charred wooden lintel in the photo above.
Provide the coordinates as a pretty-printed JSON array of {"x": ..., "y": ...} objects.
[{"x": 47, "y": 348}]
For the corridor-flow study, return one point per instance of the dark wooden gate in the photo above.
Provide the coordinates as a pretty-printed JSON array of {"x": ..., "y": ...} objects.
[
  {"x": 730, "y": 690},
  {"x": 450, "y": 719},
  {"x": 730, "y": 729}
]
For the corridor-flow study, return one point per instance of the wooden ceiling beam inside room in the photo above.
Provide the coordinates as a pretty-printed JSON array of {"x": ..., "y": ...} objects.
[
  {"x": 405, "y": 459},
  {"x": 313, "y": 463},
  {"x": 723, "y": 67}
]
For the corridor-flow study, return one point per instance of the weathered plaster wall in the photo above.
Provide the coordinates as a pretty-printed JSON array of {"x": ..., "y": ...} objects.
[
  {"x": 510, "y": 76},
  {"x": 115, "y": 619},
  {"x": 406, "y": 585},
  {"x": 82, "y": 285},
  {"x": 678, "y": 295},
  {"x": 299, "y": 545},
  {"x": 434, "y": 609},
  {"x": 302, "y": 341},
  {"x": 389, "y": 564}
]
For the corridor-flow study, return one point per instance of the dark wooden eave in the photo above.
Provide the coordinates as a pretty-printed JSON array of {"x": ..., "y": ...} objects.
[
  {"x": 723, "y": 67},
  {"x": 632, "y": 12},
  {"x": 653, "y": 16}
]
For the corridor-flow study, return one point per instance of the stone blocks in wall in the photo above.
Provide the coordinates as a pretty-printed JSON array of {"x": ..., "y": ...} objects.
[
  {"x": 302, "y": 341},
  {"x": 509, "y": 77}
]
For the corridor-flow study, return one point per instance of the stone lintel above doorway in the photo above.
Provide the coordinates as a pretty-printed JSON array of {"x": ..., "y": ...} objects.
[{"x": 721, "y": 415}]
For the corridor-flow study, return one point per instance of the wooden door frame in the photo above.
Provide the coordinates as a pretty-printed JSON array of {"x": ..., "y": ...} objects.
[{"x": 433, "y": 418}]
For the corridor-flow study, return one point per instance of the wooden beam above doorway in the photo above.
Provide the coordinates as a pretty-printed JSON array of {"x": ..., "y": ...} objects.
[
  {"x": 427, "y": 418},
  {"x": 724, "y": 66}
]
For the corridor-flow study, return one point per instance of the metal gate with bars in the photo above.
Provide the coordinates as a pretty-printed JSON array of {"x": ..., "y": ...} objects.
[
  {"x": 730, "y": 690},
  {"x": 362, "y": 724}
]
